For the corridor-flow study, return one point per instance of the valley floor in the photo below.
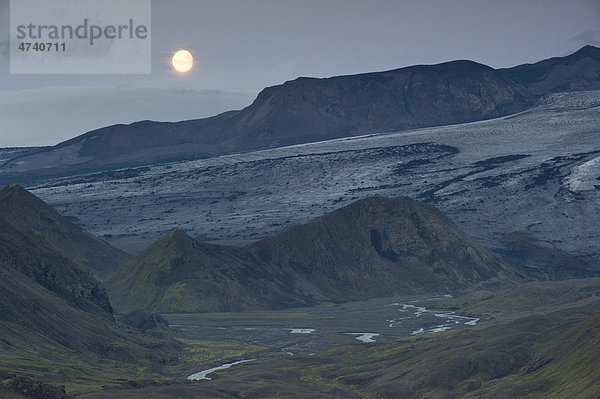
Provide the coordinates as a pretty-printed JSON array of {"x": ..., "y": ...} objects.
[
  {"x": 307, "y": 331},
  {"x": 534, "y": 340}
]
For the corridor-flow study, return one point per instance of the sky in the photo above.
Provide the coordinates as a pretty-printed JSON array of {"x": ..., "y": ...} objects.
[{"x": 242, "y": 46}]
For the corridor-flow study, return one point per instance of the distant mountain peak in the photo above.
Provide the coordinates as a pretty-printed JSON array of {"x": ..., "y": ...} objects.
[
  {"x": 298, "y": 111},
  {"x": 588, "y": 50},
  {"x": 177, "y": 235},
  {"x": 176, "y": 242},
  {"x": 576, "y": 72},
  {"x": 173, "y": 244}
]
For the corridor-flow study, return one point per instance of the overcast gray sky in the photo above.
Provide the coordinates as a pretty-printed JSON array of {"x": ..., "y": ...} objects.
[{"x": 241, "y": 46}]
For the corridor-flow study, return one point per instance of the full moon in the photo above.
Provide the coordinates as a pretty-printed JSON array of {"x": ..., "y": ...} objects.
[{"x": 182, "y": 61}]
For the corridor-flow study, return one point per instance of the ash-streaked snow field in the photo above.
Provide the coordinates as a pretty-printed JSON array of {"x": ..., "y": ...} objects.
[{"x": 537, "y": 171}]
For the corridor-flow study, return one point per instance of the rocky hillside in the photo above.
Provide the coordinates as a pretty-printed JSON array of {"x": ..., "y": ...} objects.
[
  {"x": 58, "y": 337},
  {"x": 309, "y": 109},
  {"x": 377, "y": 247},
  {"x": 27, "y": 212},
  {"x": 180, "y": 274},
  {"x": 28, "y": 255},
  {"x": 536, "y": 340},
  {"x": 373, "y": 248},
  {"x": 56, "y": 323}
]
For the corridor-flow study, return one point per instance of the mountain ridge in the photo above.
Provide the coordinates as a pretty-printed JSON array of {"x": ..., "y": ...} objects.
[
  {"x": 299, "y": 111},
  {"x": 380, "y": 247},
  {"x": 579, "y": 71},
  {"x": 372, "y": 248},
  {"x": 57, "y": 325},
  {"x": 315, "y": 109}
]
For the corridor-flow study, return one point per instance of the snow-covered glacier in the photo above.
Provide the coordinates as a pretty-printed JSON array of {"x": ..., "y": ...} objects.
[{"x": 537, "y": 171}]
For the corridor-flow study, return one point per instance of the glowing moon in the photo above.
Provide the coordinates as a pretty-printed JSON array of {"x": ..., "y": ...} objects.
[{"x": 182, "y": 61}]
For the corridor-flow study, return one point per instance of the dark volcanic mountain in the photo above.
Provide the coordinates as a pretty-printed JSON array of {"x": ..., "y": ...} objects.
[
  {"x": 576, "y": 72},
  {"x": 180, "y": 274},
  {"x": 309, "y": 109},
  {"x": 373, "y": 248},
  {"x": 377, "y": 247},
  {"x": 299, "y": 111},
  {"x": 25, "y": 211}
]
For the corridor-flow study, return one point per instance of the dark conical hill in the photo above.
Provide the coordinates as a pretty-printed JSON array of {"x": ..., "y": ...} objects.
[
  {"x": 373, "y": 248},
  {"x": 378, "y": 247},
  {"x": 180, "y": 274}
]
